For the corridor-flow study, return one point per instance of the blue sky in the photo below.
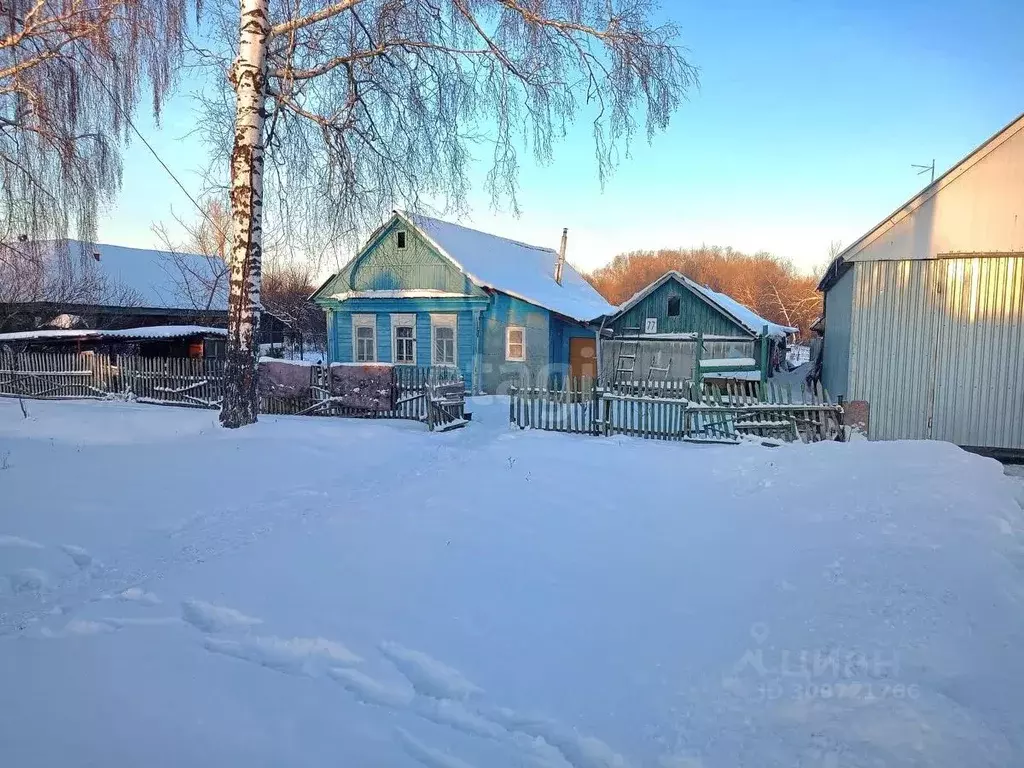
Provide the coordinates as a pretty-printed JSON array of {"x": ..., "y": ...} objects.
[{"x": 803, "y": 131}]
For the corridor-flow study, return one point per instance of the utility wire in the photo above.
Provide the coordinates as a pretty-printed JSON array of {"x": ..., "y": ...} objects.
[{"x": 128, "y": 119}]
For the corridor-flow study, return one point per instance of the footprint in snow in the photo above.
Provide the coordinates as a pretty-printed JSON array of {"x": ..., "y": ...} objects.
[
  {"x": 18, "y": 541},
  {"x": 442, "y": 695},
  {"x": 208, "y": 617},
  {"x": 79, "y": 556},
  {"x": 294, "y": 656},
  {"x": 140, "y": 596},
  {"x": 28, "y": 580}
]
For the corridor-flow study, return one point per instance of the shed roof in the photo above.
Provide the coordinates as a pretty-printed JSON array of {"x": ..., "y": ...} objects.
[
  {"x": 841, "y": 262},
  {"x": 134, "y": 277},
  {"x": 738, "y": 313},
  {"x": 147, "y": 333}
]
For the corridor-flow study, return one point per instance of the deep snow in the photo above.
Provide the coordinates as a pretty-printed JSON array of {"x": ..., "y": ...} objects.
[{"x": 315, "y": 591}]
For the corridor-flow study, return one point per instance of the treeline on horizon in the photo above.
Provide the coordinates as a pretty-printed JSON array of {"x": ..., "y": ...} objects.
[{"x": 767, "y": 284}]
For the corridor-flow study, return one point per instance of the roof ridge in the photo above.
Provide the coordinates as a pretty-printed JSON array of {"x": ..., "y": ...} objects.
[{"x": 479, "y": 231}]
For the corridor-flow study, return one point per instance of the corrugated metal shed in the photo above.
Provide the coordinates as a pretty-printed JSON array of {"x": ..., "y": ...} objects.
[
  {"x": 937, "y": 349},
  {"x": 924, "y": 316}
]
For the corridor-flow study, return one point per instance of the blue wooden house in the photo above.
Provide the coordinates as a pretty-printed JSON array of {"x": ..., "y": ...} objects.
[
  {"x": 654, "y": 334},
  {"x": 427, "y": 292}
]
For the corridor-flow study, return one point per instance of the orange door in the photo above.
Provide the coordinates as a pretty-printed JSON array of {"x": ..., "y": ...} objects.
[{"x": 583, "y": 358}]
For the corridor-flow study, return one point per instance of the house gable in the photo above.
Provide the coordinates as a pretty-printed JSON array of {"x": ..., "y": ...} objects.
[
  {"x": 382, "y": 265},
  {"x": 973, "y": 208},
  {"x": 696, "y": 313}
]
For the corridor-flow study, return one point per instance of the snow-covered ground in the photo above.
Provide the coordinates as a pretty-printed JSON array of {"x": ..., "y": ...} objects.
[{"x": 327, "y": 592}]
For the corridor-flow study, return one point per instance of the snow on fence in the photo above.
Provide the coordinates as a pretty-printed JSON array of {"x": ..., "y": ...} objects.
[
  {"x": 432, "y": 395},
  {"x": 680, "y": 410}
]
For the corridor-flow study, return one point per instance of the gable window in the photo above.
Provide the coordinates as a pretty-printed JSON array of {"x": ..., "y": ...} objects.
[
  {"x": 515, "y": 343},
  {"x": 443, "y": 332},
  {"x": 403, "y": 339},
  {"x": 673, "y": 306},
  {"x": 364, "y": 338},
  {"x": 400, "y": 239}
]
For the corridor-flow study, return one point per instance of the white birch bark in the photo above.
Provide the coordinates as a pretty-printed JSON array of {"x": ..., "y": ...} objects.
[{"x": 244, "y": 262}]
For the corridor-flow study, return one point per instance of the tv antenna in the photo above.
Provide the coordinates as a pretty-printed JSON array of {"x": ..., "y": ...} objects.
[{"x": 923, "y": 169}]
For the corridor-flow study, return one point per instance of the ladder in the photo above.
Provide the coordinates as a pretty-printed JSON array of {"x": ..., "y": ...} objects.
[
  {"x": 626, "y": 361},
  {"x": 655, "y": 368}
]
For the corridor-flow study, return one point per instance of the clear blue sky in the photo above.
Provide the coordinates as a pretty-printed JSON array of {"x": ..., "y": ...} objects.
[{"x": 803, "y": 131}]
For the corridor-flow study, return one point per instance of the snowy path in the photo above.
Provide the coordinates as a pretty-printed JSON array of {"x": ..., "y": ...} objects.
[{"x": 375, "y": 595}]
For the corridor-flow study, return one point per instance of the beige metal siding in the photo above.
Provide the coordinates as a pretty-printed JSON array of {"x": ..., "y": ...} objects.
[
  {"x": 937, "y": 348},
  {"x": 978, "y": 208}
]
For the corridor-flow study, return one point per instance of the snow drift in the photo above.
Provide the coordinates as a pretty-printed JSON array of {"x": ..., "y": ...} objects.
[{"x": 341, "y": 592}]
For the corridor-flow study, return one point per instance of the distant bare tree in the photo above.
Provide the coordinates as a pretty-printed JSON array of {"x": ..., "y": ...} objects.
[
  {"x": 349, "y": 107},
  {"x": 287, "y": 286},
  {"x": 196, "y": 259},
  {"x": 767, "y": 284},
  {"x": 71, "y": 71}
]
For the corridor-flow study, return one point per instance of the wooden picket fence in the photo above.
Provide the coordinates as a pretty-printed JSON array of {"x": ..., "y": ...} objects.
[
  {"x": 569, "y": 408},
  {"x": 422, "y": 393},
  {"x": 414, "y": 387},
  {"x": 681, "y": 410}
]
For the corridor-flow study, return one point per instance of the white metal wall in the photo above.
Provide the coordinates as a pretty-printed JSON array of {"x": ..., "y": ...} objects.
[{"x": 937, "y": 349}]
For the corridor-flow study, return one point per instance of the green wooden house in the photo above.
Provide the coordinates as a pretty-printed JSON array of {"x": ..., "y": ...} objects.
[{"x": 654, "y": 334}]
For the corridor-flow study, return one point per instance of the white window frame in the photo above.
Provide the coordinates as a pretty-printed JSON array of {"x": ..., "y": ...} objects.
[
  {"x": 444, "y": 321},
  {"x": 363, "y": 321},
  {"x": 402, "y": 321},
  {"x": 405, "y": 240},
  {"x": 521, "y": 358}
]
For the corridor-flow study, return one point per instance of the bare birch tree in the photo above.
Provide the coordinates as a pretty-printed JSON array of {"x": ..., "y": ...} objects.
[
  {"x": 347, "y": 108},
  {"x": 71, "y": 72}
]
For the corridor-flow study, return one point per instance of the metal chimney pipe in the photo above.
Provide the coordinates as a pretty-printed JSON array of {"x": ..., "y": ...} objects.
[{"x": 561, "y": 256}]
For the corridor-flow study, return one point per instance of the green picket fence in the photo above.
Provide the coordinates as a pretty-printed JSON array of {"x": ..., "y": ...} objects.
[{"x": 680, "y": 410}]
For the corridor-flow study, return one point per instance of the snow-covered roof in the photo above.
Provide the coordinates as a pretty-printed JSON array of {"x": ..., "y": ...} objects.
[
  {"x": 154, "y": 332},
  {"x": 746, "y": 317},
  {"x": 521, "y": 270},
  {"x": 139, "y": 277},
  {"x": 729, "y": 362},
  {"x": 409, "y": 293}
]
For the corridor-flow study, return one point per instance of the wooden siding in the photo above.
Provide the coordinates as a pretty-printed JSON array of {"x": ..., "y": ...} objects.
[
  {"x": 496, "y": 372},
  {"x": 561, "y": 332},
  {"x": 340, "y": 337},
  {"x": 382, "y": 266},
  {"x": 695, "y": 314}
]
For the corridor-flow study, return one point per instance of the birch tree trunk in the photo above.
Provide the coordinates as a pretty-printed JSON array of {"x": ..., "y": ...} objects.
[{"x": 249, "y": 79}]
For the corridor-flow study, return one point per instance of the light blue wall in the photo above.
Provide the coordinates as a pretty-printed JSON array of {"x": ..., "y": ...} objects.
[
  {"x": 497, "y": 372},
  {"x": 340, "y": 338}
]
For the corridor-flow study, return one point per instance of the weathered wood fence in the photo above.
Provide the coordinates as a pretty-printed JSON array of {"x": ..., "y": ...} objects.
[
  {"x": 431, "y": 395},
  {"x": 680, "y": 410}
]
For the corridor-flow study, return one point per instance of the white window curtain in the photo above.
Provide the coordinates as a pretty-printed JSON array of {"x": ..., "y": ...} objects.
[
  {"x": 403, "y": 339},
  {"x": 515, "y": 343},
  {"x": 444, "y": 339},
  {"x": 364, "y": 338}
]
